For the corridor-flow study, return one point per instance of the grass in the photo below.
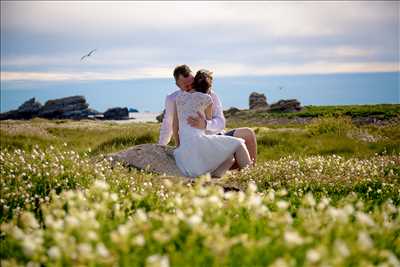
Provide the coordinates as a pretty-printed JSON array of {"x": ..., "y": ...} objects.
[
  {"x": 321, "y": 194},
  {"x": 257, "y": 117}
]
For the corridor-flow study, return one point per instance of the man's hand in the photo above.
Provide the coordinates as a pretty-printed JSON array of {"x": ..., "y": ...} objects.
[{"x": 197, "y": 122}]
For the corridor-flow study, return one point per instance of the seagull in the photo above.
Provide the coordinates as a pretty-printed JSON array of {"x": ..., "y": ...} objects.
[{"x": 88, "y": 55}]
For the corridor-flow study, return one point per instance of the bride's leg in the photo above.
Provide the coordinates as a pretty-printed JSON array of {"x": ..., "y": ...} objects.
[
  {"x": 242, "y": 156},
  {"x": 220, "y": 171}
]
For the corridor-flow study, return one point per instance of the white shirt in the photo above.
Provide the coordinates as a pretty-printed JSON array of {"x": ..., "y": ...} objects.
[{"x": 215, "y": 125}]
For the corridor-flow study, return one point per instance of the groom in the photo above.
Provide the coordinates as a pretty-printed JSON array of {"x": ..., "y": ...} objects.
[{"x": 184, "y": 79}]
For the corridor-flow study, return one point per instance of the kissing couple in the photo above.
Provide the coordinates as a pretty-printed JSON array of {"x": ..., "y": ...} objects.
[{"x": 194, "y": 117}]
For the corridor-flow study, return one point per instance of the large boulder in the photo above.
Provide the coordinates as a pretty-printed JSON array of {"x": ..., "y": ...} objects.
[
  {"x": 133, "y": 110},
  {"x": 73, "y": 107},
  {"x": 30, "y": 106},
  {"x": 288, "y": 105},
  {"x": 257, "y": 101},
  {"x": 160, "y": 117},
  {"x": 27, "y": 110},
  {"x": 160, "y": 160},
  {"x": 116, "y": 114},
  {"x": 151, "y": 157}
]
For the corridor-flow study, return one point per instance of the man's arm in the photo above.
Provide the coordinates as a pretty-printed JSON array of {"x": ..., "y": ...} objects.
[
  {"x": 217, "y": 123},
  {"x": 175, "y": 126},
  {"x": 166, "y": 126}
]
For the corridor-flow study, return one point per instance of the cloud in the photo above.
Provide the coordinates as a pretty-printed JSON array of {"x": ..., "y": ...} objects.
[
  {"x": 220, "y": 70},
  {"x": 276, "y": 18},
  {"x": 138, "y": 39}
]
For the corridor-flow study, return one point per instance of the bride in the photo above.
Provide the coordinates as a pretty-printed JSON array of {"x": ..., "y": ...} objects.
[{"x": 198, "y": 153}]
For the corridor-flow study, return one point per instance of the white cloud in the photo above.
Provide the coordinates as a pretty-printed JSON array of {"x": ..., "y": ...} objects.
[
  {"x": 146, "y": 39},
  {"x": 269, "y": 18},
  {"x": 226, "y": 69}
]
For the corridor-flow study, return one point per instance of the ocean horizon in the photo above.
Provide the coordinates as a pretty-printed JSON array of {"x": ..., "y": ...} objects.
[{"x": 148, "y": 95}]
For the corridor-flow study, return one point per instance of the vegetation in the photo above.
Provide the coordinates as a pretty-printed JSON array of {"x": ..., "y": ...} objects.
[
  {"x": 383, "y": 112},
  {"x": 324, "y": 193}
]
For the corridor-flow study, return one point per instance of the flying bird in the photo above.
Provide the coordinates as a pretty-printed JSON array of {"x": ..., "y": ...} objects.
[
  {"x": 280, "y": 87},
  {"x": 89, "y": 54}
]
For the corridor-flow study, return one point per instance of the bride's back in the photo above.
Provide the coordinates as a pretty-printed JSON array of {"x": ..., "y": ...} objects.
[{"x": 188, "y": 104}]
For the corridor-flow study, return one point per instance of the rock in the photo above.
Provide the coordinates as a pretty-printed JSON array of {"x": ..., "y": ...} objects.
[
  {"x": 10, "y": 115},
  {"x": 93, "y": 112},
  {"x": 160, "y": 117},
  {"x": 73, "y": 107},
  {"x": 160, "y": 159},
  {"x": 152, "y": 157},
  {"x": 257, "y": 101},
  {"x": 116, "y": 114},
  {"x": 231, "y": 111},
  {"x": 289, "y": 105},
  {"x": 28, "y": 110},
  {"x": 30, "y": 106}
]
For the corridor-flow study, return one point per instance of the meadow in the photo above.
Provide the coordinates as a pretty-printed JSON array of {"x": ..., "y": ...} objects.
[{"x": 325, "y": 193}]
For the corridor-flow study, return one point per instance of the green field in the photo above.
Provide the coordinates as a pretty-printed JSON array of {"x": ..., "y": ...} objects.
[{"x": 325, "y": 193}]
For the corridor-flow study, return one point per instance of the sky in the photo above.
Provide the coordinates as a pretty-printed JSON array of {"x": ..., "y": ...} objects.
[{"x": 45, "y": 41}]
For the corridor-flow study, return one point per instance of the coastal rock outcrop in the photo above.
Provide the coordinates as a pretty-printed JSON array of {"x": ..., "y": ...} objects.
[
  {"x": 28, "y": 110},
  {"x": 160, "y": 117},
  {"x": 72, "y": 107},
  {"x": 288, "y": 105},
  {"x": 116, "y": 113},
  {"x": 257, "y": 101}
]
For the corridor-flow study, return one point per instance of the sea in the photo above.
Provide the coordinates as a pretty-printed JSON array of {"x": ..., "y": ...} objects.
[{"x": 148, "y": 95}]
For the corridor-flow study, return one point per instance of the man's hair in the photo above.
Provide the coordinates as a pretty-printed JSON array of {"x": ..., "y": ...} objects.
[
  {"x": 202, "y": 81},
  {"x": 183, "y": 70}
]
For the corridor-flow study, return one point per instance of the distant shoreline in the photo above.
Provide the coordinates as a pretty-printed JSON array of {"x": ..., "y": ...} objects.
[{"x": 149, "y": 94}]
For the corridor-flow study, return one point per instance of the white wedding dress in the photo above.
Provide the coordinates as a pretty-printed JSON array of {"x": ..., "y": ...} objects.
[{"x": 199, "y": 153}]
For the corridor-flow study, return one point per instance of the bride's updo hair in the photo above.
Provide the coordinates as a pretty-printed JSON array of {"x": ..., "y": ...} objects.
[{"x": 202, "y": 81}]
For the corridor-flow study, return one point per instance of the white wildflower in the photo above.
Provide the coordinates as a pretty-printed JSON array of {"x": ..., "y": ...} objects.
[
  {"x": 324, "y": 202},
  {"x": 141, "y": 215},
  {"x": 139, "y": 240},
  {"x": 254, "y": 201},
  {"x": 363, "y": 218},
  {"x": 283, "y": 205},
  {"x": 313, "y": 255},
  {"x": 71, "y": 221},
  {"x": 337, "y": 214},
  {"x": 341, "y": 247},
  {"x": 102, "y": 250},
  {"x": 309, "y": 200},
  {"x": 252, "y": 187},
  {"x": 282, "y": 192},
  {"x": 28, "y": 220},
  {"x": 29, "y": 245},
  {"x": 84, "y": 249},
  {"x": 271, "y": 195},
  {"x": 157, "y": 261},
  {"x": 54, "y": 253},
  {"x": 194, "y": 219},
  {"x": 364, "y": 240},
  {"x": 293, "y": 238},
  {"x": 100, "y": 185}
]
